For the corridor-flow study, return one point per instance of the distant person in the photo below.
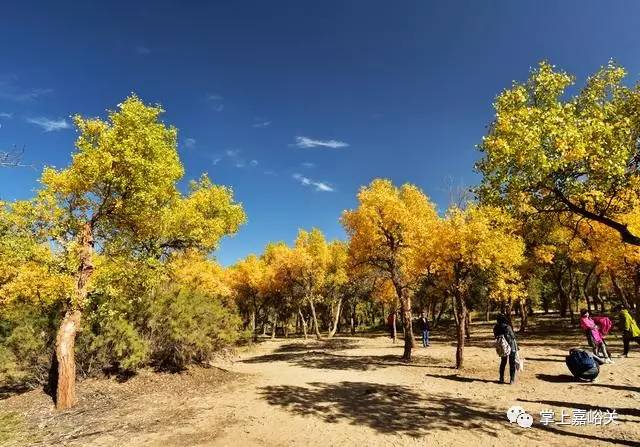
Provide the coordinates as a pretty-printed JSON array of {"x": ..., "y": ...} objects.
[
  {"x": 595, "y": 335},
  {"x": 506, "y": 346},
  {"x": 584, "y": 366},
  {"x": 390, "y": 321},
  {"x": 629, "y": 327},
  {"x": 424, "y": 327}
]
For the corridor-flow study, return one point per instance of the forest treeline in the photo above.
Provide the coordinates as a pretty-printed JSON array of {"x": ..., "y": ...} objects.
[{"x": 109, "y": 266}]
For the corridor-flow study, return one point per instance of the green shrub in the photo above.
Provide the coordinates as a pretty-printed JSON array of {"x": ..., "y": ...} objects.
[
  {"x": 111, "y": 338},
  {"x": 186, "y": 327},
  {"x": 27, "y": 335}
]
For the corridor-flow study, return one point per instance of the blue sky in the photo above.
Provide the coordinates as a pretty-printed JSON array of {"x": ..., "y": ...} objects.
[{"x": 294, "y": 104}]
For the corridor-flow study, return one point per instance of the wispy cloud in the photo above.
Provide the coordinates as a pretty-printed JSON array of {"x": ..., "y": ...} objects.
[
  {"x": 234, "y": 158},
  {"x": 49, "y": 125},
  {"x": 10, "y": 90},
  {"x": 261, "y": 124},
  {"x": 142, "y": 50},
  {"x": 319, "y": 186},
  {"x": 306, "y": 143},
  {"x": 190, "y": 143},
  {"x": 308, "y": 165},
  {"x": 6, "y": 115},
  {"x": 215, "y": 101}
]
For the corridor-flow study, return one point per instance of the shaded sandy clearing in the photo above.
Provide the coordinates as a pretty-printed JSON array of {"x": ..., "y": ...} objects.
[{"x": 345, "y": 391}]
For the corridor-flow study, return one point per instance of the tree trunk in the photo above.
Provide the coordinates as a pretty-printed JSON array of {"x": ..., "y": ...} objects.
[
  {"x": 254, "y": 335},
  {"x": 333, "y": 330},
  {"x": 65, "y": 357},
  {"x": 315, "y": 319},
  {"x": 488, "y": 316},
  {"x": 454, "y": 306},
  {"x": 461, "y": 310},
  {"x": 275, "y": 325},
  {"x": 352, "y": 321},
  {"x": 304, "y": 323},
  {"x": 394, "y": 328},
  {"x": 467, "y": 322},
  {"x": 66, "y": 336},
  {"x": 618, "y": 289},
  {"x": 524, "y": 315},
  {"x": 405, "y": 308}
]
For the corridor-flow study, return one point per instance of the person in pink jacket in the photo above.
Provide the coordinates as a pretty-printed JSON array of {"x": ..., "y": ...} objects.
[{"x": 594, "y": 335}]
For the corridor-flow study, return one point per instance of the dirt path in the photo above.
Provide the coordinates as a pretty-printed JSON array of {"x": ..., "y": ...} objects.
[{"x": 348, "y": 391}]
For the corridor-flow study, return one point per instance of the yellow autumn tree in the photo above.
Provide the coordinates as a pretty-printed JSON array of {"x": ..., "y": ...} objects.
[
  {"x": 479, "y": 239},
  {"x": 385, "y": 232},
  {"x": 564, "y": 154},
  {"x": 248, "y": 279},
  {"x": 120, "y": 195}
]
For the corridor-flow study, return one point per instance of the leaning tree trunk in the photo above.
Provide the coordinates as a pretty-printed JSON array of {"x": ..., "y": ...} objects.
[
  {"x": 461, "y": 309},
  {"x": 304, "y": 323},
  {"x": 66, "y": 336},
  {"x": 315, "y": 319},
  {"x": 334, "y": 328},
  {"x": 618, "y": 290}
]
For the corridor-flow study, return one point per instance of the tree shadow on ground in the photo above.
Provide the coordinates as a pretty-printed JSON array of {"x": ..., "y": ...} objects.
[
  {"x": 400, "y": 410},
  {"x": 6, "y": 391},
  {"x": 327, "y": 360},
  {"x": 388, "y": 409},
  {"x": 457, "y": 378},
  {"x": 618, "y": 387},
  {"x": 333, "y": 344}
]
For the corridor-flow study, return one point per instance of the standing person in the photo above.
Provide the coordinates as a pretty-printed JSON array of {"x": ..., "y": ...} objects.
[
  {"x": 594, "y": 335},
  {"x": 629, "y": 327},
  {"x": 390, "y": 321},
  {"x": 502, "y": 329},
  {"x": 424, "y": 327}
]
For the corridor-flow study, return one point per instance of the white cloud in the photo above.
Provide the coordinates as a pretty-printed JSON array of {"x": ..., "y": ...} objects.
[
  {"x": 319, "y": 186},
  {"x": 234, "y": 158},
  {"x": 189, "y": 143},
  {"x": 141, "y": 49},
  {"x": 306, "y": 143},
  {"x": 308, "y": 165},
  {"x": 49, "y": 125},
  {"x": 322, "y": 186},
  {"x": 216, "y": 102},
  {"x": 262, "y": 124},
  {"x": 6, "y": 115}
]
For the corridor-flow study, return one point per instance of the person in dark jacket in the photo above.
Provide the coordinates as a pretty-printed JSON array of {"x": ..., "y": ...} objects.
[
  {"x": 585, "y": 366},
  {"x": 502, "y": 328},
  {"x": 424, "y": 327}
]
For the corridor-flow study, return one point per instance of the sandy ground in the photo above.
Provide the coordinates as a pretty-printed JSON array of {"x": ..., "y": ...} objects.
[{"x": 344, "y": 391}]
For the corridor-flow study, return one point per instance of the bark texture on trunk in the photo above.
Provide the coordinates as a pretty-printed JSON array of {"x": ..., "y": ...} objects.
[
  {"x": 461, "y": 309},
  {"x": 65, "y": 356},
  {"x": 336, "y": 318},
  {"x": 66, "y": 335},
  {"x": 315, "y": 319},
  {"x": 304, "y": 323}
]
